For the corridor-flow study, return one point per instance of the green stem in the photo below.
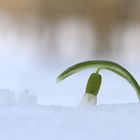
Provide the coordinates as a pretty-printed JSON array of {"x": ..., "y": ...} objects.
[{"x": 98, "y": 70}]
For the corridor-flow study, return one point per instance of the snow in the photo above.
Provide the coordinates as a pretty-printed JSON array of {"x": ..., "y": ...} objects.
[{"x": 28, "y": 120}]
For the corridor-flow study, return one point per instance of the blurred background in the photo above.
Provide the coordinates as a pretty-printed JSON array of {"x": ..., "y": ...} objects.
[{"x": 41, "y": 38}]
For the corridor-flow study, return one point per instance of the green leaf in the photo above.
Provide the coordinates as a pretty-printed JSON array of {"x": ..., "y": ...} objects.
[{"x": 102, "y": 64}]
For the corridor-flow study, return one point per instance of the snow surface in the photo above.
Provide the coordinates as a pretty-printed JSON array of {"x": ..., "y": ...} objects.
[{"x": 21, "y": 118}]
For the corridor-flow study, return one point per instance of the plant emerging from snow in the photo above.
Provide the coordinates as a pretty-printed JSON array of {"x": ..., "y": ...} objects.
[{"x": 94, "y": 82}]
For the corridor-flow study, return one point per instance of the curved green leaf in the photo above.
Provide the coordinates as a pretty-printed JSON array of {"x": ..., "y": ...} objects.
[{"x": 102, "y": 64}]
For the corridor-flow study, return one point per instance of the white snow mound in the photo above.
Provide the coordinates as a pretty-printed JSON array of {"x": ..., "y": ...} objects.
[
  {"x": 21, "y": 118},
  {"x": 6, "y": 97}
]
